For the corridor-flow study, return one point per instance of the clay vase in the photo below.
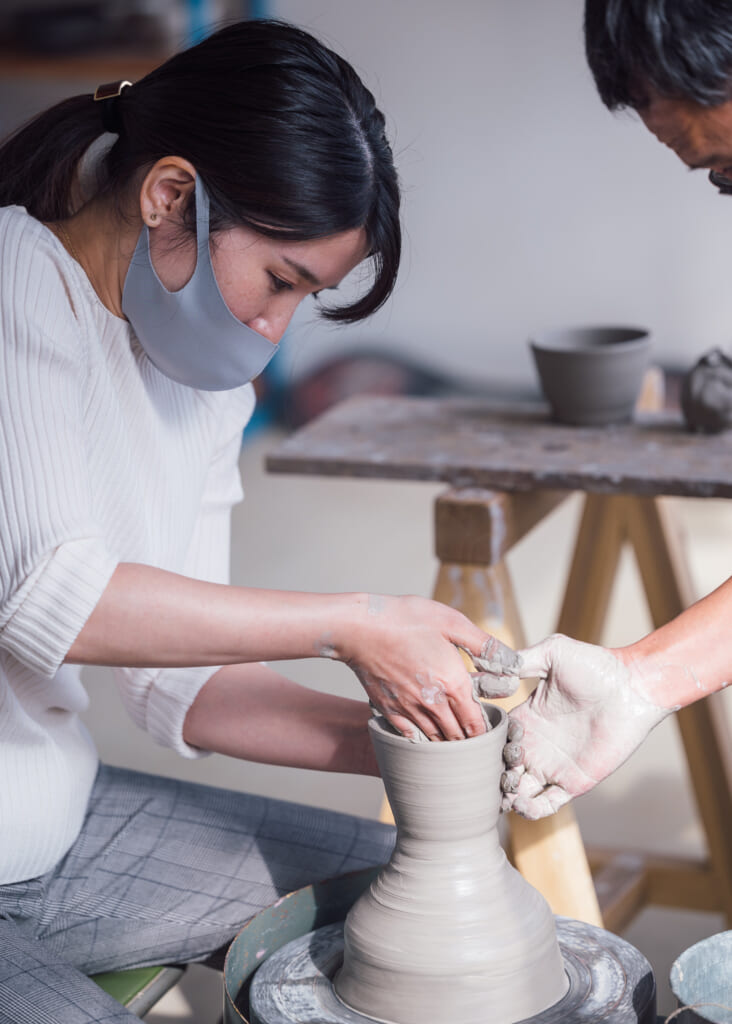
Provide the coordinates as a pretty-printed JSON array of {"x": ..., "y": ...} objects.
[{"x": 448, "y": 932}]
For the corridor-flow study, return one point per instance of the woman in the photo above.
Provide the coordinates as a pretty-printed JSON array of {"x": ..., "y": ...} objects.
[{"x": 129, "y": 338}]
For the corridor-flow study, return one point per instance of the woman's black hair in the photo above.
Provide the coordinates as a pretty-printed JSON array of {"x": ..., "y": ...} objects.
[
  {"x": 679, "y": 49},
  {"x": 284, "y": 134}
]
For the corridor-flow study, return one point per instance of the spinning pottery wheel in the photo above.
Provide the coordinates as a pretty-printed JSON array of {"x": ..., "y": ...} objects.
[
  {"x": 609, "y": 980},
  {"x": 447, "y": 932}
]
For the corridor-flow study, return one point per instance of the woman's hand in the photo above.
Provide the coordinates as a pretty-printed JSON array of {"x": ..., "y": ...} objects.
[
  {"x": 405, "y": 652},
  {"x": 403, "y": 649},
  {"x": 589, "y": 712}
]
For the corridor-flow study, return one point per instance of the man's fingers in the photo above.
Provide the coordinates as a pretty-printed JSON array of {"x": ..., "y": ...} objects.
[
  {"x": 513, "y": 754},
  {"x": 527, "y": 796},
  {"x": 536, "y": 660},
  {"x": 515, "y": 730},
  {"x": 510, "y": 780},
  {"x": 542, "y": 805}
]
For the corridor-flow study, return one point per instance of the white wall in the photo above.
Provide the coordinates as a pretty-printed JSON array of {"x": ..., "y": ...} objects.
[{"x": 527, "y": 204}]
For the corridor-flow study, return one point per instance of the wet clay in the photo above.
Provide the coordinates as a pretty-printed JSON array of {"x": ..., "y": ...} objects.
[{"x": 449, "y": 932}]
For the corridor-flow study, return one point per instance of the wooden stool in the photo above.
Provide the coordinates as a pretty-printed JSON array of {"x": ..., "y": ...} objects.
[{"x": 139, "y": 988}]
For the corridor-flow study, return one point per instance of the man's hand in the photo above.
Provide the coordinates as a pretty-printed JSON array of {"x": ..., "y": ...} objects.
[{"x": 587, "y": 715}]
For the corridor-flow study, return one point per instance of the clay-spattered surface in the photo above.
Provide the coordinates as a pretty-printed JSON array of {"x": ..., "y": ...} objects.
[
  {"x": 471, "y": 442},
  {"x": 449, "y": 932}
]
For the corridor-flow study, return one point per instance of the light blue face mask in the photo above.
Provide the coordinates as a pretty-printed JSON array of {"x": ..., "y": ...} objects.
[{"x": 191, "y": 335}]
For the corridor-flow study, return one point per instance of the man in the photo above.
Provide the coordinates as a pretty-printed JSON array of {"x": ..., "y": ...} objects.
[{"x": 671, "y": 61}]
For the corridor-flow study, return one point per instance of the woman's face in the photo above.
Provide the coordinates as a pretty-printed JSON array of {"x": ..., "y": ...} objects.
[{"x": 262, "y": 280}]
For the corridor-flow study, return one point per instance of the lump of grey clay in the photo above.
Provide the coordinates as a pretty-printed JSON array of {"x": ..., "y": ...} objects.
[{"x": 706, "y": 394}]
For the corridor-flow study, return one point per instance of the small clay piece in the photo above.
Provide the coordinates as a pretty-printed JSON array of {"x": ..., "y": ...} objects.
[
  {"x": 449, "y": 932},
  {"x": 706, "y": 394}
]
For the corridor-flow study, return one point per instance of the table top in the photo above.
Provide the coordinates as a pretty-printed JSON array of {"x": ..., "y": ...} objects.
[{"x": 469, "y": 442}]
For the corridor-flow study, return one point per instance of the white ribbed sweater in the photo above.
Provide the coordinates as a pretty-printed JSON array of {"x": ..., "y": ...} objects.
[{"x": 102, "y": 460}]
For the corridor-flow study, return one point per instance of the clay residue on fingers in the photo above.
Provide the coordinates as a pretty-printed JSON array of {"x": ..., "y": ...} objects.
[
  {"x": 515, "y": 730},
  {"x": 432, "y": 693},
  {"x": 497, "y": 658},
  {"x": 486, "y": 684},
  {"x": 512, "y": 754},
  {"x": 510, "y": 780}
]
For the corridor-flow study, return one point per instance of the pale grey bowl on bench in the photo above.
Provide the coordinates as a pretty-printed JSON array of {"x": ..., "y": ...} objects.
[{"x": 592, "y": 375}]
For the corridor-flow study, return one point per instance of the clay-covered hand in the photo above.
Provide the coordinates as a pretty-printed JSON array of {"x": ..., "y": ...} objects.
[
  {"x": 406, "y": 653},
  {"x": 587, "y": 715}
]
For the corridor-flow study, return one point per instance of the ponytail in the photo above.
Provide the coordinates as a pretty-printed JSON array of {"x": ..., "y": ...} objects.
[{"x": 38, "y": 162}]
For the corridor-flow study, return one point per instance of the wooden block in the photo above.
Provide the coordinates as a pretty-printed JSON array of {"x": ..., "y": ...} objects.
[
  {"x": 549, "y": 853},
  {"x": 479, "y": 527},
  {"x": 622, "y": 890},
  {"x": 685, "y": 883}
]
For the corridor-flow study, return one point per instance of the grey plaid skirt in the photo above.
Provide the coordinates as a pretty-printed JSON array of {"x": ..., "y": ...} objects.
[{"x": 164, "y": 871}]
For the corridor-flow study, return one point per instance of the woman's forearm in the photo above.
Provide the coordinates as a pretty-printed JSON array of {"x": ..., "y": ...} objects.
[
  {"x": 157, "y": 619},
  {"x": 254, "y": 713},
  {"x": 688, "y": 658},
  {"x": 405, "y": 650}
]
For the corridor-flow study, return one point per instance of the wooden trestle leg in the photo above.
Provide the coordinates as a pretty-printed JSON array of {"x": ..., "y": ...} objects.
[
  {"x": 474, "y": 531},
  {"x": 647, "y": 525}
]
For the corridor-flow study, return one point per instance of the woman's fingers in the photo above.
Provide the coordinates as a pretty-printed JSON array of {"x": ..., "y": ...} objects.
[
  {"x": 438, "y": 714},
  {"x": 490, "y": 686},
  {"x": 427, "y": 728},
  {"x": 497, "y": 658},
  {"x": 489, "y": 655}
]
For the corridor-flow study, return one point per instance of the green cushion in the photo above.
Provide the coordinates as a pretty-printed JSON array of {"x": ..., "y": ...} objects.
[{"x": 125, "y": 985}]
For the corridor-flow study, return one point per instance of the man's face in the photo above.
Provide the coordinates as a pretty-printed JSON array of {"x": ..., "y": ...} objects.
[{"x": 700, "y": 136}]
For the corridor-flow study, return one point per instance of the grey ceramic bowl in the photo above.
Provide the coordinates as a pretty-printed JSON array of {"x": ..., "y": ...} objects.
[{"x": 592, "y": 375}]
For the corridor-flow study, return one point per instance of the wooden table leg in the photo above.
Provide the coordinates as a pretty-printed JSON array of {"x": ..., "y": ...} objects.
[
  {"x": 704, "y": 726},
  {"x": 647, "y": 524},
  {"x": 474, "y": 531}
]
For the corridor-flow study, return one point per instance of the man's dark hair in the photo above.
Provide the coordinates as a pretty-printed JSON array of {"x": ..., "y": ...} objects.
[{"x": 680, "y": 49}]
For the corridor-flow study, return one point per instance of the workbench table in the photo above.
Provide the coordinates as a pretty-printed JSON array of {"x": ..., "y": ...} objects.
[{"x": 508, "y": 465}]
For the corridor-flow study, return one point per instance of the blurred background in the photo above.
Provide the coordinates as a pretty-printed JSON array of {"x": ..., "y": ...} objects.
[{"x": 526, "y": 206}]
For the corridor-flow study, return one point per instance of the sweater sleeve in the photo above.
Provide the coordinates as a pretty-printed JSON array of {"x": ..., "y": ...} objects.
[
  {"x": 54, "y": 563},
  {"x": 159, "y": 699}
]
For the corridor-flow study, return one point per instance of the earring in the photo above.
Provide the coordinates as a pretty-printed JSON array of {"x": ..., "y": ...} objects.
[{"x": 153, "y": 216}]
